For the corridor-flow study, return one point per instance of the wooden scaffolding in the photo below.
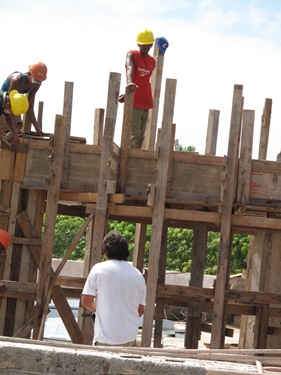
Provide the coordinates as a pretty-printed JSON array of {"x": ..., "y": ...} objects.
[{"x": 157, "y": 185}]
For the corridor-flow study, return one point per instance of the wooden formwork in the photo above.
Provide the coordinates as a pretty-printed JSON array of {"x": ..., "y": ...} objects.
[{"x": 61, "y": 174}]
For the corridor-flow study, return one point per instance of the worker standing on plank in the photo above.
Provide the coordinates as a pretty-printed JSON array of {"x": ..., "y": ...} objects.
[
  {"x": 27, "y": 83},
  {"x": 139, "y": 68}
]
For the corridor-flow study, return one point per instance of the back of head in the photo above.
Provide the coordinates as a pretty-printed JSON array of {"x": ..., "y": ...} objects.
[
  {"x": 115, "y": 246},
  {"x": 145, "y": 37}
]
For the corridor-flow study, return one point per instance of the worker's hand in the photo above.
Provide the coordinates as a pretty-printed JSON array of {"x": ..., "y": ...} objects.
[
  {"x": 15, "y": 142},
  {"x": 132, "y": 87},
  {"x": 121, "y": 98},
  {"x": 141, "y": 310}
]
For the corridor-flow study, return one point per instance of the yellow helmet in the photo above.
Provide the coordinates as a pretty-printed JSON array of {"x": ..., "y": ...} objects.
[
  {"x": 19, "y": 103},
  {"x": 145, "y": 37}
]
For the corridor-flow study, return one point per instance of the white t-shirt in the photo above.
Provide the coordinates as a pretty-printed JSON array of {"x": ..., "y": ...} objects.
[{"x": 119, "y": 288}]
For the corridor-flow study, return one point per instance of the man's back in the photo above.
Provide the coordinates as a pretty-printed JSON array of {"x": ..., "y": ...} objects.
[{"x": 119, "y": 288}]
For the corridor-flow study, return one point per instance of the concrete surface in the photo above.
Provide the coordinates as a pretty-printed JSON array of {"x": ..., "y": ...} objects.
[{"x": 19, "y": 356}]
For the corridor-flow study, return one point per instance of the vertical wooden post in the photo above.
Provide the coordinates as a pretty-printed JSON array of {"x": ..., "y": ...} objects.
[
  {"x": 151, "y": 128},
  {"x": 40, "y": 115},
  {"x": 194, "y": 317},
  {"x": 219, "y": 312},
  {"x": 125, "y": 139},
  {"x": 140, "y": 240},
  {"x": 67, "y": 111},
  {"x": 105, "y": 176},
  {"x": 158, "y": 212},
  {"x": 200, "y": 233},
  {"x": 98, "y": 126},
  {"x": 212, "y": 132},
  {"x": 55, "y": 176},
  {"x": 159, "y": 311},
  {"x": 245, "y": 163},
  {"x": 265, "y": 125}
]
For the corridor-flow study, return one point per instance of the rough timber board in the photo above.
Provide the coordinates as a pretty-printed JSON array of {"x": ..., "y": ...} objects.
[
  {"x": 140, "y": 173},
  {"x": 188, "y": 178},
  {"x": 5, "y": 162},
  {"x": 189, "y": 181},
  {"x": 37, "y": 165},
  {"x": 265, "y": 183},
  {"x": 84, "y": 168}
]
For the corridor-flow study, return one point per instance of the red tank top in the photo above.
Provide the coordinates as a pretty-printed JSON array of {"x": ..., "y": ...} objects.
[{"x": 144, "y": 67}]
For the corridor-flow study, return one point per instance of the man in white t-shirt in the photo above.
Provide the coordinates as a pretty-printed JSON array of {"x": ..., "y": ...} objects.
[{"x": 116, "y": 291}]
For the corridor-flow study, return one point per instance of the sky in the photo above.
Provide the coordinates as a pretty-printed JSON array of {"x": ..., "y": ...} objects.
[{"x": 213, "y": 45}]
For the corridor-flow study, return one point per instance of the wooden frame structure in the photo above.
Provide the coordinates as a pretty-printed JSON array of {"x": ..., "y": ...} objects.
[{"x": 61, "y": 174}]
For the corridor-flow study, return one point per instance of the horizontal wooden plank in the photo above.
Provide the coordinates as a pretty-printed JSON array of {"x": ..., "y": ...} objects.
[
  {"x": 195, "y": 158},
  {"x": 239, "y": 296},
  {"x": 89, "y": 197}
]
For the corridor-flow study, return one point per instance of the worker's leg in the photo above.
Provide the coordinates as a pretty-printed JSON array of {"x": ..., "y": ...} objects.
[
  {"x": 136, "y": 128},
  {"x": 143, "y": 126}
]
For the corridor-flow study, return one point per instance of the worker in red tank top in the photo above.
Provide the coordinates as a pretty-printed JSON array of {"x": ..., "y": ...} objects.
[{"x": 139, "y": 68}]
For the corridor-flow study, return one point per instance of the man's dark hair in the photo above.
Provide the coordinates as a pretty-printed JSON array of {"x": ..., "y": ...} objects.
[{"x": 115, "y": 246}]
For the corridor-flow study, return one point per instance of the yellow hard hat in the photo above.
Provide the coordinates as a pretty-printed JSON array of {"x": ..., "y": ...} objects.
[
  {"x": 145, "y": 37},
  {"x": 19, "y": 103}
]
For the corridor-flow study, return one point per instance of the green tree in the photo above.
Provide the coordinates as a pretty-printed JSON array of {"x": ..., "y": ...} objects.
[
  {"x": 66, "y": 230},
  {"x": 187, "y": 149},
  {"x": 179, "y": 245},
  {"x": 240, "y": 245}
]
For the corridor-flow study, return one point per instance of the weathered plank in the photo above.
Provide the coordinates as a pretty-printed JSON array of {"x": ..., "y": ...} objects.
[
  {"x": 125, "y": 138},
  {"x": 104, "y": 172},
  {"x": 245, "y": 162},
  {"x": 219, "y": 315},
  {"x": 98, "y": 125},
  {"x": 159, "y": 208},
  {"x": 212, "y": 132},
  {"x": 265, "y": 125},
  {"x": 55, "y": 176}
]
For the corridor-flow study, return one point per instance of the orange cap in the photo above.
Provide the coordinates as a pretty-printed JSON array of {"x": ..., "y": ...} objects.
[{"x": 38, "y": 71}]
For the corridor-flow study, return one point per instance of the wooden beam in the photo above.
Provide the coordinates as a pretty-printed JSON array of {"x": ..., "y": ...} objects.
[
  {"x": 159, "y": 308},
  {"x": 125, "y": 139},
  {"x": 89, "y": 197},
  {"x": 265, "y": 125},
  {"x": 212, "y": 132},
  {"x": 194, "y": 311},
  {"x": 67, "y": 112},
  {"x": 158, "y": 210},
  {"x": 219, "y": 316},
  {"x": 98, "y": 125},
  {"x": 55, "y": 176},
  {"x": 245, "y": 162},
  {"x": 107, "y": 141}
]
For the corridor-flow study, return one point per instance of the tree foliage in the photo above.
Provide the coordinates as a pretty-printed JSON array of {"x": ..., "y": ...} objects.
[
  {"x": 187, "y": 149},
  {"x": 66, "y": 230},
  {"x": 179, "y": 245}
]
